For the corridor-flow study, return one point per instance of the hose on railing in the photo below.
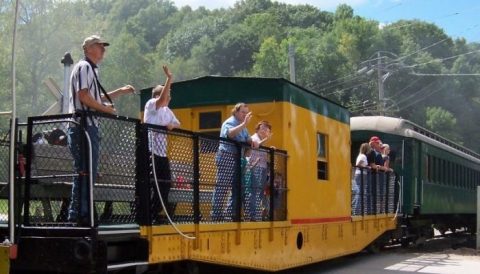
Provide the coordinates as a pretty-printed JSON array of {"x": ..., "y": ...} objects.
[{"x": 163, "y": 204}]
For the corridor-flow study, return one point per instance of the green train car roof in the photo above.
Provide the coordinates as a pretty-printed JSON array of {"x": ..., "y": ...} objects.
[
  {"x": 216, "y": 90},
  {"x": 405, "y": 128}
]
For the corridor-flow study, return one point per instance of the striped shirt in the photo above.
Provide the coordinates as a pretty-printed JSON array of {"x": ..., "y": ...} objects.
[{"x": 83, "y": 77}]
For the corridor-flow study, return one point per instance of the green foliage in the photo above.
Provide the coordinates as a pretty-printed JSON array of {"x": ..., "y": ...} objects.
[{"x": 442, "y": 122}]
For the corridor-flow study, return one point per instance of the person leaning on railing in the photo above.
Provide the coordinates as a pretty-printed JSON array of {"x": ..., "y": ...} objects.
[
  {"x": 87, "y": 94},
  {"x": 234, "y": 128},
  {"x": 361, "y": 164}
]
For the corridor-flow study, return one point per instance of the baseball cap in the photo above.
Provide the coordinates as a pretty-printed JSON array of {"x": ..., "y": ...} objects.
[
  {"x": 94, "y": 39},
  {"x": 375, "y": 139}
]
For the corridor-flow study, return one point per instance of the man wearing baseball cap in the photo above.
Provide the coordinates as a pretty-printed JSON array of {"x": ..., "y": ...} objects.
[
  {"x": 375, "y": 159},
  {"x": 87, "y": 96}
]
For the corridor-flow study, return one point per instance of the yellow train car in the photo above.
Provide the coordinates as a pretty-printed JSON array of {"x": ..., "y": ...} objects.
[
  {"x": 305, "y": 214},
  {"x": 315, "y": 133}
]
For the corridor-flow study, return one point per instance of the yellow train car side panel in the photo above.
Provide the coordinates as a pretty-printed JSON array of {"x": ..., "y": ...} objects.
[
  {"x": 265, "y": 246},
  {"x": 310, "y": 197},
  {"x": 4, "y": 259},
  {"x": 316, "y": 135}
]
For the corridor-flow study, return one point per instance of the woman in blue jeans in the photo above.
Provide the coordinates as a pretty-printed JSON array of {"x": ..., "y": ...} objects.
[{"x": 259, "y": 170}]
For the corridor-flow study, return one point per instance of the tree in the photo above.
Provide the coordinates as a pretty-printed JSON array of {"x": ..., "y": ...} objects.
[
  {"x": 126, "y": 64},
  {"x": 442, "y": 122}
]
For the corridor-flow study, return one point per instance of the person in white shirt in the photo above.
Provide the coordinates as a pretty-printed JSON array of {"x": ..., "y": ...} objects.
[
  {"x": 361, "y": 172},
  {"x": 158, "y": 113},
  {"x": 258, "y": 164}
]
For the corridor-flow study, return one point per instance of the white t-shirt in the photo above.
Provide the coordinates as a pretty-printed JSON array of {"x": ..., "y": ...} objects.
[
  {"x": 261, "y": 155},
  {"x": 162, "y": 117},
  {"x": 361, "y": 161}
]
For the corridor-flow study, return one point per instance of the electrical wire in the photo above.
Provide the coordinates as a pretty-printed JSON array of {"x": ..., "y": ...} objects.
[
  {"x": 443, "y": 59},
  {"x": 407, "y": 98},
  {"x": 421, "y": 99},
  {"x": 405, "y": 88}
]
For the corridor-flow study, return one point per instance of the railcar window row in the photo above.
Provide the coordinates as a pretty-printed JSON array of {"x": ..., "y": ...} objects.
[{"x": 446, "y": 172}]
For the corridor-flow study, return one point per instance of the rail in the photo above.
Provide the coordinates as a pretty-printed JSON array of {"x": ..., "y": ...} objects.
[
  {"x": 374, "y": 192},
  {"x": 197, "y": 184}
]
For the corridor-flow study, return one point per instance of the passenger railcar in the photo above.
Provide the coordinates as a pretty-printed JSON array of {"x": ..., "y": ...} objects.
[
  {"x": 308, "y": 214},
  {"x": 438, "y": 177}
]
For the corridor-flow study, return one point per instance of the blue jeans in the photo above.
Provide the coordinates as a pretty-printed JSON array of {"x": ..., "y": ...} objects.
[
  {"x": 254, "y": 196},
  {"x": 79, "y": 206},
  {"x": 227, "y": 172},
  {"x": 357, "y": 193}
]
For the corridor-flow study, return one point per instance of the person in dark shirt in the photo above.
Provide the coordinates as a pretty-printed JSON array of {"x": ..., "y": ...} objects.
[{"x": 375, "y": 158}]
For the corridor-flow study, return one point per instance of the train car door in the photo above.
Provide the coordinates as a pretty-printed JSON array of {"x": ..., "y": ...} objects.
[{"x": 417, "y": 175}]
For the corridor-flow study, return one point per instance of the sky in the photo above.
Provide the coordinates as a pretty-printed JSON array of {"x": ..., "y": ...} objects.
[{"x": 458, "y": 18}]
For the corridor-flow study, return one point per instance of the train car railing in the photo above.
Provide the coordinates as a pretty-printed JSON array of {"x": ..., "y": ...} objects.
[
  {"x": 203, "y": 179},
  {"x": 209, "y": 179},
  {"x": 5, "y": 168},
  {"x": 50, "y": 171},
  {"x": 4, "y": 171},
  {"x": 374, "y": 192}
]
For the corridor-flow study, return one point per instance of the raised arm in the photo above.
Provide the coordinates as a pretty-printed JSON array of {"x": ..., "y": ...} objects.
[{"x": 164, "y": 98}]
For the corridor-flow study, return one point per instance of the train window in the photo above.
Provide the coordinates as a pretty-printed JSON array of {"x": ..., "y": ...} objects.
[
  {"x": 444, "y": 172},
  {"x": 449, "y": 173},
  {"x": 429, "y": 168},
  {"x": 457, "y": 177},
  {"x": 210, "y": 122},
  {"x": 322, "y": 153},
  {"x": 322, "y": 169},
  {"x": 435, "y": 169}
]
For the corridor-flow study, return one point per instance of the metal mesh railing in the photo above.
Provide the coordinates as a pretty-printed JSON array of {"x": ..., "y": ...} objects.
[
  {"x": 49, "y": 171},
  {"x": 4, "y": 168},
  {"x": 208, "y": 148},
  {"x": 200, "y": 178},
  {"x": 373, "y": 192},
  {"x": 232, "y": 181},
  {"x": 280, "y": 187},
  {"x": 49, "y": 186},
  {"x": 114, "y": 188},
  {"x": 173, "y": 161}
]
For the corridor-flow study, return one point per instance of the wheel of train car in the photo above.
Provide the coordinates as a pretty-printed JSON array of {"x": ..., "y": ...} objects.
[
  {"x": 429, "y": 232},
  {"x": 442, "y": 230},
  {"x": 374, "y": 247}
]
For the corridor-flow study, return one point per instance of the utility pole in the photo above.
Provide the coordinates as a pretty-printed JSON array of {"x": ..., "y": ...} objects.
[
  {"x": 67, "y": 62},
  {"x": 291, "y": 61},
  {"x": 381, "y": 93}
]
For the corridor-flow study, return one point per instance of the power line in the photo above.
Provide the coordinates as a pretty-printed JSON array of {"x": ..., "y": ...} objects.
[
  {"x": 446, "y": 74},
  {"x": 421, "y": 99},
  {"x": 405, "y": 99},
  {"x": 405, "y": 88},
  {"x": 444, "y": 59},
  {"x": 347, "y": 88}
]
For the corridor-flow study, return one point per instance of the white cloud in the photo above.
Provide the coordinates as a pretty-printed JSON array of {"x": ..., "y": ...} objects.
[{"x": 322, "y": 4}]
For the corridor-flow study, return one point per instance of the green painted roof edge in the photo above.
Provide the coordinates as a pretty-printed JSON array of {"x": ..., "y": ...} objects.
[{"x": 221, "y": 90}]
